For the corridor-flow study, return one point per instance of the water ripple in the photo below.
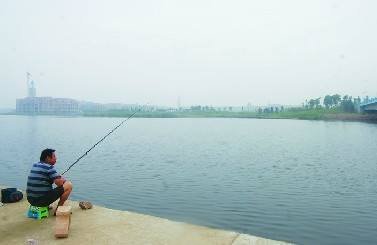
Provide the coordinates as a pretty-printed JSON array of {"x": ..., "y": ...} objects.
[{"x": 300, "y": 181}]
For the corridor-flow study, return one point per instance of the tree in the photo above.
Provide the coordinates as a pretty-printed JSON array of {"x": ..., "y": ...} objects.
[
  {"x": 196, "y": 108},
  {"x": 336, "y": 98},
  {"x": 311, "y": 103},
  {"x": 314, "y": 103},
  {"x": 347, "y": 105},
  {"x": 328, "y": 101},
  {"x": 317, "y": 102}
]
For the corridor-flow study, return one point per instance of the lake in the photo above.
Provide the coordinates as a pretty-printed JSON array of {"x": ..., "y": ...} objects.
[{"x": 307, "y": 182}]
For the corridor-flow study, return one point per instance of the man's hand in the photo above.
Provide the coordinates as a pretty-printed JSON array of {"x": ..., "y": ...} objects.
[{"x": 59, "y": 181}]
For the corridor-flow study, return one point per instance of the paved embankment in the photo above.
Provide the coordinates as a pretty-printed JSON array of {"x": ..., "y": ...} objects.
[{"x": 101, "y": 225}]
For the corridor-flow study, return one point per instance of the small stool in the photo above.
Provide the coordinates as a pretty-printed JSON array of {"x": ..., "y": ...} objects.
[{"x": 37, "y": 212}]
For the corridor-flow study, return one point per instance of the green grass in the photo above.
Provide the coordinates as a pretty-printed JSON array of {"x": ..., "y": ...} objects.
[
  {"x": 292, "y": 113},
  {"x": 314, "y": 114}
]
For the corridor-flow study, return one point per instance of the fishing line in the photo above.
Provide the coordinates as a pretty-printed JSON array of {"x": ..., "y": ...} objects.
[{"x": 98, "y": 142}]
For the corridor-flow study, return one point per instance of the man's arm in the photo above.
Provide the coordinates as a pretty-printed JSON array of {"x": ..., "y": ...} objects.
[{"x": 59, "y": 181}]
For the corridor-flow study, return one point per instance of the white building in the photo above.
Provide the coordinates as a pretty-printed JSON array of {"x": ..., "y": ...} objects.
[
  {"x": 47, "y": 105},
  {"x": 44, "y": 105}
]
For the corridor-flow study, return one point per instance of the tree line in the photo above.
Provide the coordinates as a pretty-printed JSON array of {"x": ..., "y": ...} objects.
[{"x": 345, "y": 103}]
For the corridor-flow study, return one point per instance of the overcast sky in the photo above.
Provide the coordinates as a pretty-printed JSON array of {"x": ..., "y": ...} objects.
[{"x": 205, "y": 52}]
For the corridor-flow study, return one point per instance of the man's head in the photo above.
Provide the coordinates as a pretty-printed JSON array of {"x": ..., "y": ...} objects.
[{"x": 48, "y": 156}]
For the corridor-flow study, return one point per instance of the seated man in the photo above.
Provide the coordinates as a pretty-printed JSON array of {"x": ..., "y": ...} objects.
[{"x": 39, "y": 185}]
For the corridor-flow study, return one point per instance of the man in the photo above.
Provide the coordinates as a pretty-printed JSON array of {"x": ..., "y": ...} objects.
[{"x": 39, "y": 185}]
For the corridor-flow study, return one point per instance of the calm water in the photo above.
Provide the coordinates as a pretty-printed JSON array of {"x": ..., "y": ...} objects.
[{"x": 308, "y": 182}]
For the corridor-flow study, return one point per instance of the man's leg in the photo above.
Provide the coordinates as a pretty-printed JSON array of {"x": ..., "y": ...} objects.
[{"x": 67, "y": 190}]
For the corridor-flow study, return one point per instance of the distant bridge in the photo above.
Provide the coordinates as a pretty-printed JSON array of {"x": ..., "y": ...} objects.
[{"x": 369, "y": 105}]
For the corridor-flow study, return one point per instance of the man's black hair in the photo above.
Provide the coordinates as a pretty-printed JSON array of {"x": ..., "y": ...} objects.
[{"x": 46, "y": 153}]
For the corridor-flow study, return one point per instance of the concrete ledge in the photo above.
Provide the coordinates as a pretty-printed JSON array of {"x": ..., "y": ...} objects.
[
  {"x": 244, "y": 239},
  {"x": 101, "y": 225}
]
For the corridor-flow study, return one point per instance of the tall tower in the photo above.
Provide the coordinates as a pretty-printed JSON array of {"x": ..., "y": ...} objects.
[{"x": 30, "y": 86}]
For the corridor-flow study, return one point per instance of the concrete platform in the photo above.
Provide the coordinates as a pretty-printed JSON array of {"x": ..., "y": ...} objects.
[{"x": 101, "y": 225}]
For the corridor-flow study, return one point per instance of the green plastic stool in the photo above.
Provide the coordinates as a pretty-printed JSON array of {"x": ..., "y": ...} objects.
[{"x": 37, "y": 212}]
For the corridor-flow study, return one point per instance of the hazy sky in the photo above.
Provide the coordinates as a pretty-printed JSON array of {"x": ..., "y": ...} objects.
[{"x": 205, "y": 52}]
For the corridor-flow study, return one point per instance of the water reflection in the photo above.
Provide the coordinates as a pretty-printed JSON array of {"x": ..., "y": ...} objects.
[{"x": 302, "y": 181}]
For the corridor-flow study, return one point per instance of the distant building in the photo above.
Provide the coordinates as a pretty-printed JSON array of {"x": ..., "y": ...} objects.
[
  {"x": 32, "y": 92},
  {"x": 47, "y": 105},
  {"x": 44, "y": 105},
  {"x": 369, "y": 105},
  {"x": 86, "y": 106}
]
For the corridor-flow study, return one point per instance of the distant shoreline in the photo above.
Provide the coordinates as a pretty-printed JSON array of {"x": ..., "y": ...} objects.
[{"x": 299, "y": 115}]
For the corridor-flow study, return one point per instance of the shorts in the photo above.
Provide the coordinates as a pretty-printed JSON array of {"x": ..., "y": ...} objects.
[{"x": 48, "y": 198}]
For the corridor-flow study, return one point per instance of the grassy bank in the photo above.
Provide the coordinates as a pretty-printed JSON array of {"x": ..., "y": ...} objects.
[
  {"x": 314, "y": 114},
  {"x": 295, "y": 113}
]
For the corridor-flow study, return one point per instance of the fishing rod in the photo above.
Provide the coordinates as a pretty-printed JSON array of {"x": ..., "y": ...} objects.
[{"x": 104, "y": 137}]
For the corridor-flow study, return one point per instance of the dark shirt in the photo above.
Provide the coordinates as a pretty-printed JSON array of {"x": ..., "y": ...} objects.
[{"x": 40, "y": 180}]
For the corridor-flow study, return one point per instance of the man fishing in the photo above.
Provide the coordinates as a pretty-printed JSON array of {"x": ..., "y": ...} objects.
[
  {"x": 43, "y": 174},
  {"x": 39, "y": 184}
]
